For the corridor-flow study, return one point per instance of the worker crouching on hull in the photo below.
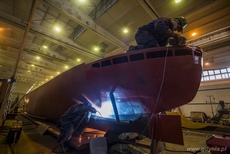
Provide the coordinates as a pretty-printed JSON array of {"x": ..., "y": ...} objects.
[{"x": 158, "y": 32}]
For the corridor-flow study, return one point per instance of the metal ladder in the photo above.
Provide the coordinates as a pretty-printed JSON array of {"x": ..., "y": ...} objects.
[{"x": 8, "y": 105}]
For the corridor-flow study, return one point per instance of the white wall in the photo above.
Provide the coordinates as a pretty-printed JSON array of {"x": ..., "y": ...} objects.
[{"x": 207, "y": 94}]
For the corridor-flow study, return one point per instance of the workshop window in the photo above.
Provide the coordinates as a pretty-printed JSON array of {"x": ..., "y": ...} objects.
[{"x": 216, "y": 74}]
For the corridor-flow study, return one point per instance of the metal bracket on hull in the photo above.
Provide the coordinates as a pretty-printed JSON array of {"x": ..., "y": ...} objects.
[{"x": 112, "y": 98}]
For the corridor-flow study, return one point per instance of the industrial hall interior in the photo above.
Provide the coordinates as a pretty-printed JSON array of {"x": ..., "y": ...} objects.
[{"x": 114, "y": 76}]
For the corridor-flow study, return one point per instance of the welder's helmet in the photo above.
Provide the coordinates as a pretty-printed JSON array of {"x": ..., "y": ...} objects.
[{"x": 183, "y": 23}]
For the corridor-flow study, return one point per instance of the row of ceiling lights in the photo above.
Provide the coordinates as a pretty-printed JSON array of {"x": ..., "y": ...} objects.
[{"x": 52, "y": 76}]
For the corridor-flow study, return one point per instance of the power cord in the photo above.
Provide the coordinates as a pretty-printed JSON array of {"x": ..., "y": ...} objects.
[
  {"x": 158, "y": 96},
  {"x": 62, "y": 146}
]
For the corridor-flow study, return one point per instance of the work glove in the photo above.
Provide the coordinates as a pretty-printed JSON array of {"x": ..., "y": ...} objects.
[
  {"x": 176, "y": 39},
  {"x": 179, "y": 39},
  {"x": 92, "y": 109},
  {"x": 182, "y": 40}
]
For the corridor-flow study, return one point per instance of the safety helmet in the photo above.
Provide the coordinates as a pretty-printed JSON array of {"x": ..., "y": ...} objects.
[{"x": 182, "y": 21}]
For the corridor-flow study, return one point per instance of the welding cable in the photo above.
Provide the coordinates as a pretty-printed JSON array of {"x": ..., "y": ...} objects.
[
  {"x": 60, "y": 144},
  {"x": 79, "y": 123},
  {"x": 159, "y": 92},
  {"x": 158, "y": 96},
  {"x": 162, "y": 81},
  {"x": 63, "y": 148},
  {"x": 53, "y": 150}
]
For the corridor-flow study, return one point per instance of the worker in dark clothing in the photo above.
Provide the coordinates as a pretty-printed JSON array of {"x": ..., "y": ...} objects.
[
  {"x": 73, "y": 121},
  {"x": 158, "y": 32}
]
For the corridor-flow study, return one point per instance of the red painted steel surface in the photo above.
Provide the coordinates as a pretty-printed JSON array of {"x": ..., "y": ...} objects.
[
  {"x": 154, "y": 81},
  {"x": 167, "y": 128},
  {"x": 218, "y": 145}
]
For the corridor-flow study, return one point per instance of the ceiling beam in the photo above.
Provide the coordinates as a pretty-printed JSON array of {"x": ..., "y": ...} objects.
[
  {"x": 61, "y": 40},
  {"x": 23, "y": 43},
  {"x": 44, "y": 33},
  {"x": 147, "y": 6},
  {"x": 207, "y": 39},
  {"x": 36, "y": 49},
  {"x": 76, "y": 15}
]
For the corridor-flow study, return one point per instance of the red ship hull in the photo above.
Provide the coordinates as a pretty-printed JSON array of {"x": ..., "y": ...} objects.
[{"x": 143, "y": 81}]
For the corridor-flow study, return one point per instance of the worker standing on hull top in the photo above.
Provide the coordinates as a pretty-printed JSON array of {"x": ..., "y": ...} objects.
[{"x": 158, "y": 32}]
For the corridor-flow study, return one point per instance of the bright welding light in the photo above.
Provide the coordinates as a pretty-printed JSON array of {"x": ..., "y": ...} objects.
[{"x": 106, "y": 109}]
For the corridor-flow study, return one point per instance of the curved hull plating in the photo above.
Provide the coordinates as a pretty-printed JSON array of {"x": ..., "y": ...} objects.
[{"x": 143, "y": 81}]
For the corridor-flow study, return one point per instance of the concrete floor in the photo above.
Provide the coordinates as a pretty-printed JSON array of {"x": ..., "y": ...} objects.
[
  {"x": 32, "y": 142},
  {"x": 192, "y": 141}
]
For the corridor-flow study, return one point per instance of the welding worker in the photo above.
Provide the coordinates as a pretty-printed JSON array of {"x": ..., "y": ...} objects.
[
  {"x": 158, "y": 32},
  {"x": 71, "y": 121}
]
